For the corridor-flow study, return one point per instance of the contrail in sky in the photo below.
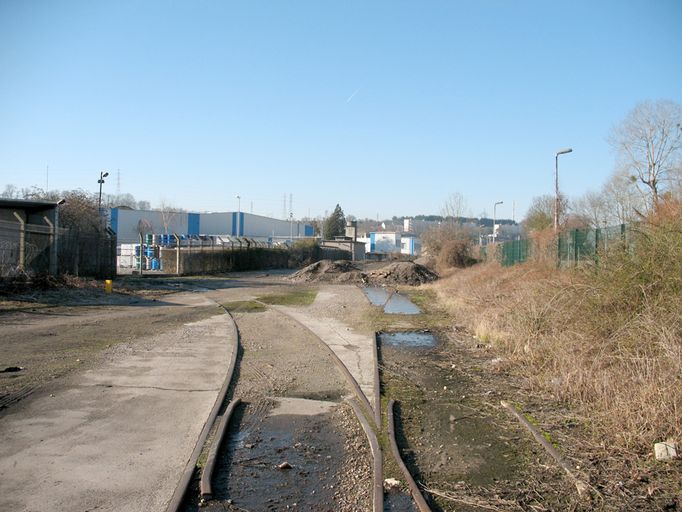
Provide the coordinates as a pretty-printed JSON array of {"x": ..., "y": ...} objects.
[{"x": 352, "y": 95}]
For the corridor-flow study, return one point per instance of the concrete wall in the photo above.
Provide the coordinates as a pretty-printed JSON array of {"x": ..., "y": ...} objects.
[{"x": 215, "y": 223}]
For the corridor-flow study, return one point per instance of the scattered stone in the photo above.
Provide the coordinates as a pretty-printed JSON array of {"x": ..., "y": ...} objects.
[
  {"x": 666, "y": 451},
  {"x": 391, "y": 484},
  {"x": 284, "y": 465}
]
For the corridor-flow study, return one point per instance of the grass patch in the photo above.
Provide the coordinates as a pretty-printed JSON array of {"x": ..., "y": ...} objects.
[
  {"x": 244, "y": 306},
  {"x": 295, "y": 298}
]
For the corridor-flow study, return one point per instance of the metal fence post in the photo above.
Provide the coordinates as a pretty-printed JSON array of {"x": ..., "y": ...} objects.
[
  {"x": 177, "y": 253},
  {"x": 22, "y": 241}
]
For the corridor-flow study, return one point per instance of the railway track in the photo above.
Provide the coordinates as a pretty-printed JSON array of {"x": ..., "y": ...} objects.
[{"x": 214, "y": 435}]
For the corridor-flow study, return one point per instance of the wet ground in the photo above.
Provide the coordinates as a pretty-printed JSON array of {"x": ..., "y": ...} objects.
[
  {"x": 280, "y": 461},
  {"x": 390, "y": 300}
]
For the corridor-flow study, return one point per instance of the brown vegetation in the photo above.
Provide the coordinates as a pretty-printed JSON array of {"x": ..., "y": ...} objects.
[{"x": 604, "y": 338}]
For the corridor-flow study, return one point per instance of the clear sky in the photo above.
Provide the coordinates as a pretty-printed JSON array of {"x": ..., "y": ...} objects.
[{"x": 383, "y": 107}]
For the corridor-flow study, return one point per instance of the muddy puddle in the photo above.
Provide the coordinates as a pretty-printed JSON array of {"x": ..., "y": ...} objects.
[
  {"x": 285, "y": 458},
  {"x": 392, "y": 302},
  {"x": 408, "y": 339}
]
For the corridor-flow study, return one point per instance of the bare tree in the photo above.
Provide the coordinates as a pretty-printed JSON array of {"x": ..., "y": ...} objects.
[
  {"x": 168, "y": 214},
  {"x": 648, "y": 144},
  {"x": 540, "y": 214},
  {"x": 454, "y": 207},
  {"x": 592, "y": 209},
  {"x": 10, "y": 192},
  {"x": 623, "y": 199}
]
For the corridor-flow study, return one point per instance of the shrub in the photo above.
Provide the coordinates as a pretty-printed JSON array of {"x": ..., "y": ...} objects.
[{"x": 456, "y": 254}]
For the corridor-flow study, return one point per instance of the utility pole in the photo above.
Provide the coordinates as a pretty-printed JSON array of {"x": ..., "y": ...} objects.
[
  {"x": 102, "y": 175},
  {"x": 556, "y": 186}
]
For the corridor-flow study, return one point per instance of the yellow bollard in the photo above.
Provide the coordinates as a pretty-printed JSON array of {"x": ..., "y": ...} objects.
[{"x": 108, "y": 286}]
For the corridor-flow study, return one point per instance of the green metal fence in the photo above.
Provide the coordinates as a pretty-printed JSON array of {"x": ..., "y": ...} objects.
[
  {"x": 586, "y": 244},
  {"x": 569, "y": 248}
]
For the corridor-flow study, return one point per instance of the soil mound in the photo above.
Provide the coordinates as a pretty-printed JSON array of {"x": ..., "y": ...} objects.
[
  {"x": 403, "y": 272},
  {"x": 329, "y": 271}
]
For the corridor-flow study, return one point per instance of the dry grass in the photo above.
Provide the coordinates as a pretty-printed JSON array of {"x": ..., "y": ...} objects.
[{"x": 605, "y": 338}]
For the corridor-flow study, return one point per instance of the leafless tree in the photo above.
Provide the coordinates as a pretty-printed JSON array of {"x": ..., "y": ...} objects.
[
  {"x": 540, "y": 214},
  {"x": 10, "y": 192},
  {"x": 623, "y": 199},
  {"x": 454, "y": 207},
  {"x": 168, "y": 214},
  {"x": 592, "y": 209},
  {"x": 648, "y": 143}
]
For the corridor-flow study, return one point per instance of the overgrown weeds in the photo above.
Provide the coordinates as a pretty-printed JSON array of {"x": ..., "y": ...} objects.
[{"x": 605, "y": 337}]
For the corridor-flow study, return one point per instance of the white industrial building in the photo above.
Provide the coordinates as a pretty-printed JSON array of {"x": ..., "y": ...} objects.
[
  {"x": 127, "y": 224},
  {"x": 388, "y": 242}
]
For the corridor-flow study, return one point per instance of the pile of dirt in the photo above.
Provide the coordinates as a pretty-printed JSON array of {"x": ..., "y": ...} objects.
[
  {"x": 328, "y": 271},
  {"x": 402, "y": 272}
]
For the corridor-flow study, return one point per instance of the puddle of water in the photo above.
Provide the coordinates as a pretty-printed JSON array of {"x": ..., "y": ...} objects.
[
  {"x": 393, "y": 303},
  {"x": 400, "y": 305},
  {"x": 399, "y": 502},
  {"x": 377, "y": 296},
  {"x": 409, "y": 339}
]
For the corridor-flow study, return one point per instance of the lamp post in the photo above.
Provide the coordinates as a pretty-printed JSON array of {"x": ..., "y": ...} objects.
[
  {"x": 556, "y": 186},
  {"x": 102, "y": 175},
  {"x": 495, "y": 219},
  {"x": 239, "y": 213}
]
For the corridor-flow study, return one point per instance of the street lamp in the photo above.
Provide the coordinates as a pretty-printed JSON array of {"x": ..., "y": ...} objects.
[
  {"x": 556, "y": 186},
  {"x": 239, "y": 213},
  {"x": 495, "y": 219},
  {"x": 102, "y": 175}
]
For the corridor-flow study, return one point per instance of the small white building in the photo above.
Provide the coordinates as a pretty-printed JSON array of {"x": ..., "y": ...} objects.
[{"x": 388, "y": 242}]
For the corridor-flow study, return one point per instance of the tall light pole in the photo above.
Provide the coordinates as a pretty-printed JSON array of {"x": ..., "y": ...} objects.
[
  {"x": 495, "y": 219},
  {"x": 239, "y": 213},
  {"x": 556, "y": 186},
  {"x": 102, "y": 175}
]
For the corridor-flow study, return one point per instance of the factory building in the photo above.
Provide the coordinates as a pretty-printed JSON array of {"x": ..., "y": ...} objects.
[{"x": 128, "y": 223}]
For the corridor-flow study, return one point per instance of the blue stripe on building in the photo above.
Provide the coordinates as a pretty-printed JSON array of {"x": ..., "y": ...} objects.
[
  {"x": 241, "y": 224},
  {"x": 114, "y": 220},
  {"x": 308, "y": 230},
  {"x": 372, "y": 241},
  {"x": 193, "y": 220},
  {"x": 233, "y": 230}
]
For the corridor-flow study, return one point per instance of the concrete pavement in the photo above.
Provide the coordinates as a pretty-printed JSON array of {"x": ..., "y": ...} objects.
[{"x": 117, "y": 437}]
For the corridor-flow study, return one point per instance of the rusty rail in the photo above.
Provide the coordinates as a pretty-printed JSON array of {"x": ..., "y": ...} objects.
[
  {"x": 414, "y": 488},
  {"x": 207, "y": 473}
]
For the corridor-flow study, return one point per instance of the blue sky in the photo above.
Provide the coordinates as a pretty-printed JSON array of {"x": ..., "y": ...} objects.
[{"x": 383, "y": 107}]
